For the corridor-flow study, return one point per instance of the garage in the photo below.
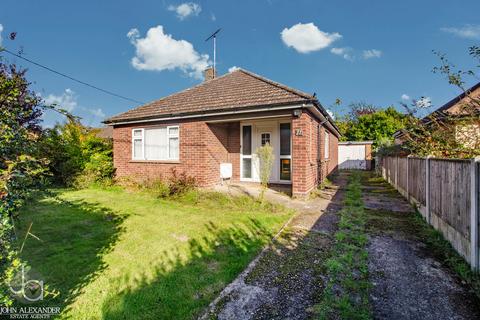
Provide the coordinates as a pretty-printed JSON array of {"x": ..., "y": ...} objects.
[{"x": 355, "y": 155}]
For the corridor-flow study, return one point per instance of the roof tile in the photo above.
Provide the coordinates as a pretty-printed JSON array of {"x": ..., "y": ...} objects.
[{"x": 235, "y": 90}]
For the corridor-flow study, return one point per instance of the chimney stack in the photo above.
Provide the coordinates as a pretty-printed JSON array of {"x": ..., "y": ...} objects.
[{"x": 209, "y": 73}]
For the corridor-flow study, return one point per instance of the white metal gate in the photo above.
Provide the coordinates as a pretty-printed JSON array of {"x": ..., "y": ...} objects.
[{"x": 352, "y": 157}]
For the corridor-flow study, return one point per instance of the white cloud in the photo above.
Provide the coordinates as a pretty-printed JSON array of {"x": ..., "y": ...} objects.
[
  {"x": 213, "y": 17},
  {"x": 423, "y": 102},
  {"x": 372, "y": 53},
  {"x": 1, "y": 29},
  {"x": 96, "y": 112},
  {"x": 306, "y": 37},
  {"x": 234, "y": 68},
  {"x": 468, "y": 31},
  {"x": 345, "y": 53},
  {"x": 405, "y": 97},
  {"x": 67, "y": 100},
  {"x": 186, "y": 9},
  {"x": 159, "y": 51},
  {"x": 133, "y": 33}
]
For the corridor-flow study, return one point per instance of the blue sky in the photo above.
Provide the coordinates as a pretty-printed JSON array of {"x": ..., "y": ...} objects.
[{"x": 372, "y": 51}]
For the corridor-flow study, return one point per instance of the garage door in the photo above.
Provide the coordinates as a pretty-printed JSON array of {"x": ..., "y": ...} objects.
[{"x": 352, "y": 157}]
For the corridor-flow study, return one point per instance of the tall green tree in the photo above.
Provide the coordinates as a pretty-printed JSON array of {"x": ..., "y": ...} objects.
[
  {"x": 20, "y": 167},
  {"x": 366, "y": 122}
]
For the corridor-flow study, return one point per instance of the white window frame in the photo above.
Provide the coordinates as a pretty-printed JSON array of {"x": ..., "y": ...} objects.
[
  {"x": 326, "y": 150},
  {"x": 285, "y": 156},
  {"x": 142, "y": 138},
  {"x": 242, "y": 156},
  {"x": 269, "y": 138}
]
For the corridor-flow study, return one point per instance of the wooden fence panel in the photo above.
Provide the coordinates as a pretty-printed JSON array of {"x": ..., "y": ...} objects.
[
  {"x": 416, "y": 181},
  {"x": 453, "y": 197},
  {"x": 450, "y": 192},
  {"x": 392, "y": 170},
  {"x": 402, "y": 173}
]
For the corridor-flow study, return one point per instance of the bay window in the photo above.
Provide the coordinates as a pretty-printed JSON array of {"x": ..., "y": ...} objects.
[{"x": 160, "y": 143}]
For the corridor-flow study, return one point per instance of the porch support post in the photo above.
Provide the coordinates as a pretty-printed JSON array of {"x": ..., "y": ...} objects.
[{"x": 300, "y": 155}]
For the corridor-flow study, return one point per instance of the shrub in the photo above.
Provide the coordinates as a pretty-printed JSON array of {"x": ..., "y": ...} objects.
[
  {"x": 176, "y": 185},
  {"x": 159, "y": 188},
  {"x": 180, "y": 183},
  {"x": 266, "y": 158},
  {"x": 100, "y": 166},
  {"x": 77, "y": 156}
]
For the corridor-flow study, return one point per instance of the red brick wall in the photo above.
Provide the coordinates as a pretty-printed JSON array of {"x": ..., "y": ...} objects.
[
  {"x": 309, "y": 166},
  {"x": 202, "y": 148}
]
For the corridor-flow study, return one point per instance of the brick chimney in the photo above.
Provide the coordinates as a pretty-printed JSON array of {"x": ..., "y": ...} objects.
[{"x": 209, "y": 73}]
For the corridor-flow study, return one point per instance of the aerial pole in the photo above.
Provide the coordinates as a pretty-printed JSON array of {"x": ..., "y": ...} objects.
[{"x": 214, "y": 37}]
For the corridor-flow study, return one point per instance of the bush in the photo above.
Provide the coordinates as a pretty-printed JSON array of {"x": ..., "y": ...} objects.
[
  {"x": 159, "y": 188},
  {"x": 176, "y": 185},
  {"x": 266, "y": 159},
  {"x": 180, "y": 183},
  {"x": 100, "y": 166},
  {"x": 77, "y": 156}
]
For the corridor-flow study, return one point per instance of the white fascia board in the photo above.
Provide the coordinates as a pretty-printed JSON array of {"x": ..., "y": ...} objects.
[{"x": 210, "y": 114}]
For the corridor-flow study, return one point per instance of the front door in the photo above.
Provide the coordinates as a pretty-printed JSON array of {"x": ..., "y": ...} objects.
[
  {"x": 258, "y": 133},
  {"x": 265, "y": 133}
]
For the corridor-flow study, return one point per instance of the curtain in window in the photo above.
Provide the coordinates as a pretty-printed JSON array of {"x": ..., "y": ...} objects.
[{"x": 156, "y": 144}]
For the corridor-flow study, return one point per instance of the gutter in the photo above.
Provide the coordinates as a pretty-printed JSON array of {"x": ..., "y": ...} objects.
[
  {"x": 323, "y": 116},
  {"x": 314, "y": 107},
  {"x": 202, "y": 115}
]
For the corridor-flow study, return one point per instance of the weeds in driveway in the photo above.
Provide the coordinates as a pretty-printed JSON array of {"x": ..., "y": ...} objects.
[{"x": 346, "y": 292}]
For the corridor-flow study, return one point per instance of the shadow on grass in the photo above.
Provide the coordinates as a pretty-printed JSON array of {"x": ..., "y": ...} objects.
[
  {"x": 181, "y": 287},
  {"x": 74, "y": 237}
]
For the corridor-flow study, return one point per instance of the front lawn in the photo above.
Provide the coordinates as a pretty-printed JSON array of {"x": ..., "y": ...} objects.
[{"x": 112, "y": 254}]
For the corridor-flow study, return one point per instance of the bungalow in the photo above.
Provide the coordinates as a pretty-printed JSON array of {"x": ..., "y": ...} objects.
[{"x": 211, "y": 132}]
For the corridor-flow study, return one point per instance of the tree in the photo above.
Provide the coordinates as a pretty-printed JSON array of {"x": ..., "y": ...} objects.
[
  {"x": 367, "y": 122},
  {"x": 75, "y": 153},
  {"x": 20, "y": 168},
  {"x": 443, "y": 134}
]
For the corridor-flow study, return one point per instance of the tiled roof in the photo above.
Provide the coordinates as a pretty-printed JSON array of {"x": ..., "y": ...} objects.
[
  {"x": 235, "y": 90},
  {"x": 454, "y": 107}
]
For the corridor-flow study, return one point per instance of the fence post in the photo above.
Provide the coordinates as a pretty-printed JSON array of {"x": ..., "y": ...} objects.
[
  {"x": 474, "y": 213},
  {"x": 427, "y": 188}
]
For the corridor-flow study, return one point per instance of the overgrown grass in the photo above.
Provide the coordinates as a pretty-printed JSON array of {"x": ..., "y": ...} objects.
[
  {"x": 414, "y": 225},
  {"x": 346, "y": 292},
  {"x": 113, "y": 254},
  {"x": 443, "y": 250}
]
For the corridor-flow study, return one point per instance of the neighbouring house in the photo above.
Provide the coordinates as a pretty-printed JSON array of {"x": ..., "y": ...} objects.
[
  {"x": 211, "y": 132},
  {"x": 105, "y": 132},
  {"x": 464, "y": 109}
]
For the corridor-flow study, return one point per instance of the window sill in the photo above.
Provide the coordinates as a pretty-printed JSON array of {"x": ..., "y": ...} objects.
[{"x": 156, "y": 161}]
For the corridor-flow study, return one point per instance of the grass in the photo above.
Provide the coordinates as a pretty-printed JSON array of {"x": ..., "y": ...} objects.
[
  {"x": 443, "y": 250},
  {"x": 112, "y": 254},
  {"x": 415, "y": 226},
  {"x": 346, "y": 292}
]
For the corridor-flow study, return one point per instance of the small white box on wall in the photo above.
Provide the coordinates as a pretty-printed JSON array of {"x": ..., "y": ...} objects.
[{"x": 225, "y": 170}]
